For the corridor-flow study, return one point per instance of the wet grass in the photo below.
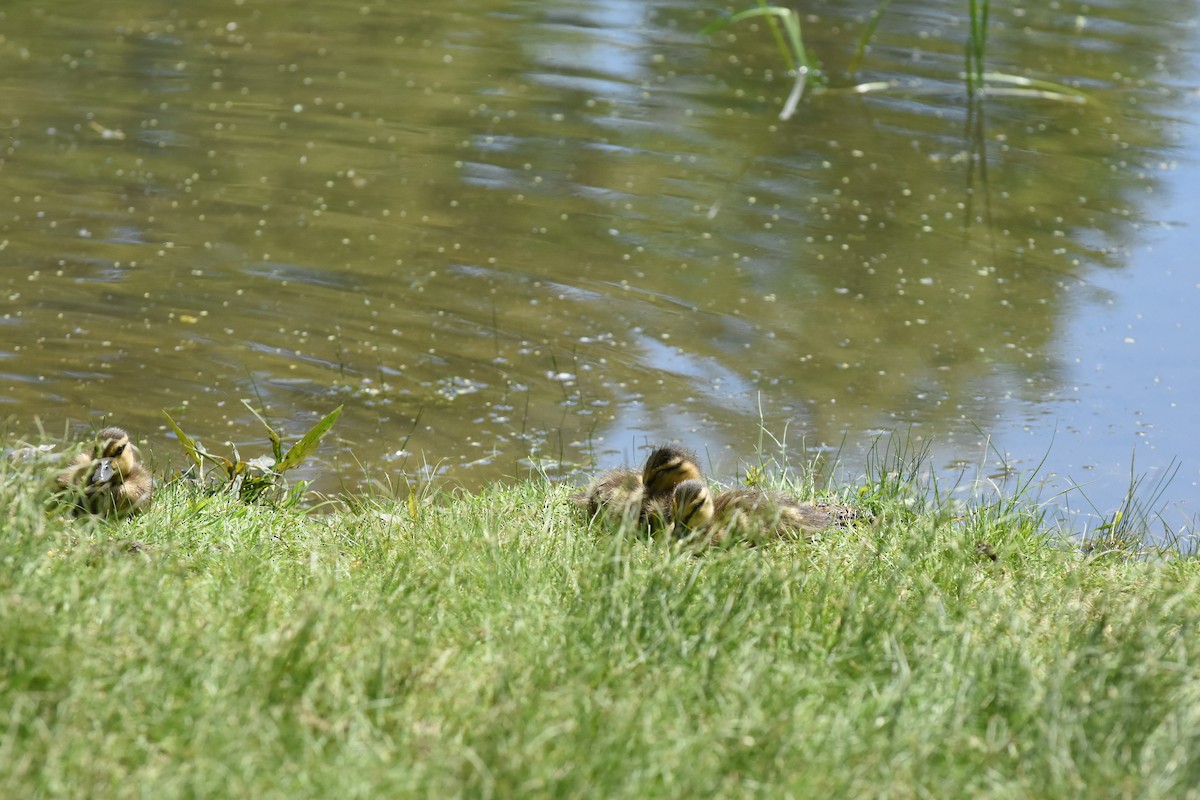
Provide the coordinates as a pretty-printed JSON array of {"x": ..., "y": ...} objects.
[{"x": 496, "y": 645}]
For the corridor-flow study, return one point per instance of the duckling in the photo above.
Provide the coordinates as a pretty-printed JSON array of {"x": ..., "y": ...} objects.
[
  {"x": 642, "y": 498},
  {"x": 749, "y": 514},
  {"x": 109, "y": 481},
  {"x": 666, "y": 468},
  {"x": 617, "y": 495}
]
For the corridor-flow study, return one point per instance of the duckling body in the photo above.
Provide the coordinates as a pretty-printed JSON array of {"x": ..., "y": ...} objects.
[
  {"x": 642, "y": 498},
  {"x": 666, "y": 468},
  {"x": 617, "y": 495},
  {"x": 109, "y": 481},
  {"x": 751, "y": 515}
]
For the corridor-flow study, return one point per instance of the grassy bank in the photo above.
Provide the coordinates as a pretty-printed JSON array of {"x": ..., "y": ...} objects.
[{"x": 495, "y": 645}]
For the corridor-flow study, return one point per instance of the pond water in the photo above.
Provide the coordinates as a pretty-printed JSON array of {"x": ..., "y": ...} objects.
[{"x": 513, "y": 236}]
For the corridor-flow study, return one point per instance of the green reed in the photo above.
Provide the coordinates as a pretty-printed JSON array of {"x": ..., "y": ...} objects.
[
  {"x": 790, "y": 43},
  {"x": 976, "y": 44},
  {"x": 784, "y": 24}
]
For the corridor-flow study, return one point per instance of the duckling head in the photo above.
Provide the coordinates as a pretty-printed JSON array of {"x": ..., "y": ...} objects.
[
  {"x": 667, "y": 467},
  {"x": 115, "y": 455},
  {"x": 692, "y": 505}
]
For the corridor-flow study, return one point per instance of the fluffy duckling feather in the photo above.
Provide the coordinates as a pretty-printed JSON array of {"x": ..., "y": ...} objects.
[
  {"x": 108, "y": 482},
  {"x": 749, "y": 515}
]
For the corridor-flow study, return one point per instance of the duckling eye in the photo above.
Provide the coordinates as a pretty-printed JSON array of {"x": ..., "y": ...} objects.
[{"x": 120, "y": 449}]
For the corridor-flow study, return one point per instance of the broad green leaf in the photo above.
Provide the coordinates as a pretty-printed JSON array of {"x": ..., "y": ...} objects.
[{"x": 304, "y": 448}]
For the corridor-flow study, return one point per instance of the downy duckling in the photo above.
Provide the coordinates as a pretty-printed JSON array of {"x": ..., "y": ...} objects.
[
  {"x": 751, "y": 515},
  {"x": 109, "y": 481},
  {"x": 618, "y": 495},
  {"x": 642, "y": 498},
  {"x": 666, "y": 468}
]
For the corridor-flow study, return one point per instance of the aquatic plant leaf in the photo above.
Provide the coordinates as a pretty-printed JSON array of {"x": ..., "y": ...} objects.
[
  {"x": 1034, "y": 87},
  {"x": 865, "y": 38},
  {"x": 760, "y": 11},
  {"x": 232, "y": 467},
  {"x": 792, "y": 50},
  {"x": 304, "y": 448},
  {"x": 188, "y": 444},
  {"x": 276, "y": 444}
]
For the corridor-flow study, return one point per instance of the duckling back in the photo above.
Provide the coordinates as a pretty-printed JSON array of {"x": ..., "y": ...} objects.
[
  {"x": 756, "y": 513},
  {"x": 617, "y": 496},
  {"x": 746, "y": 515}
]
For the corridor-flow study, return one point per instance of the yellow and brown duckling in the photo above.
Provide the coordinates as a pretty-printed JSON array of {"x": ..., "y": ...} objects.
[
  {"x": 666, "y": 468},
  {"x": 749, "y": 515},
  {"x": 108, "y": 481},
  {"x": 627, "y": 496},
  {"x": 618, "y": 495}
]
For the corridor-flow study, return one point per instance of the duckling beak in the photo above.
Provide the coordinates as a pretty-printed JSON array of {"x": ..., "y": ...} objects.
[{"x": 104, "y": 471}]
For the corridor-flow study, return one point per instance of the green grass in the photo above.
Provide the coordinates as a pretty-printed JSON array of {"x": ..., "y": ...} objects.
[{"x": 496, "y": 646}]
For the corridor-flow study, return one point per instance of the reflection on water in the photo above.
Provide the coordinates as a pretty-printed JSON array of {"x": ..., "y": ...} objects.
[{"x": 511, "y": 236}]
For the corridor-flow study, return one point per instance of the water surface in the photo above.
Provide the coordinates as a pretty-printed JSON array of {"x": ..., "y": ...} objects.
[{"x": 511, "y": 236}]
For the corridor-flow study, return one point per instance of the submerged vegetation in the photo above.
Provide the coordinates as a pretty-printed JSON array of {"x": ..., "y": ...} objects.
[
  {"x": 500, "y": 645},
  {"x": 784, "y": 24}
]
